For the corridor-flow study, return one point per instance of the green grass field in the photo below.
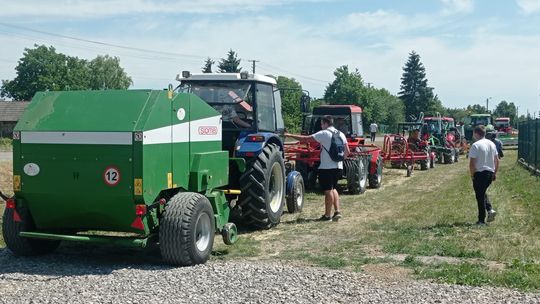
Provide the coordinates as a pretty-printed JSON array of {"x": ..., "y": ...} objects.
[
  {"x": 5, "y": 144},
  {"x": 419, "y": 227}
]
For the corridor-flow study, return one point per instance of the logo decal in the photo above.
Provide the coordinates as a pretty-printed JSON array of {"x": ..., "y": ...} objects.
[
  {"x": 209, "y": 130},
  {"x": 31, "y": 169}
]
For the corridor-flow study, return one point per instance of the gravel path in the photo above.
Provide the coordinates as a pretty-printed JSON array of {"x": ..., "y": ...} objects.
[
  {"x": 128, "y": 276},
  {"x": 4, "y": 156}
]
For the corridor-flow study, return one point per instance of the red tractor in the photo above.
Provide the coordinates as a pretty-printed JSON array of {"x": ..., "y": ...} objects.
[{"x": 362, "y": 168}]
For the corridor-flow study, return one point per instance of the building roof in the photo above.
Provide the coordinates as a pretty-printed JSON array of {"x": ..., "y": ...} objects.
[{"x": 12, "y": 110}]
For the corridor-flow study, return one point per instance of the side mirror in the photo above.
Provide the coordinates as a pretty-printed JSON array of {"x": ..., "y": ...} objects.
[{"x": 305, "y": 104}]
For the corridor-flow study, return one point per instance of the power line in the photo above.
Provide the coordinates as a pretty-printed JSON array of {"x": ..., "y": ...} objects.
[{"x": 183, "y": 55}]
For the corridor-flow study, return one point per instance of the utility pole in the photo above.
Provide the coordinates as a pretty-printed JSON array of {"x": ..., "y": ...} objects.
[
  {"x": 369, "y": 85},
  {"x": 487, "y": 103},
  {"x": 253, "y": 62}
]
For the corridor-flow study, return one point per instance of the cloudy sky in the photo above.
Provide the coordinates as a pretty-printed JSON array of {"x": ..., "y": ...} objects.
[{"x": 472, "y": 49}]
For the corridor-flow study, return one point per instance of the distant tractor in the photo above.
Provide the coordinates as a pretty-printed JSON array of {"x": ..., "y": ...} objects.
[
  {"x": 505, "y": 132},
  {"x": 362, "y": 168},
  {"x": 407, "y": 148},
  {"x": 444, "y": 138},
  {"x": 163, "y": 167},
  {"x": 476, "y": 120}
]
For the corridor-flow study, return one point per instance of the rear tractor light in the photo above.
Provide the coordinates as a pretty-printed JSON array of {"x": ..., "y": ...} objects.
[{"x": 140, "y": 210}]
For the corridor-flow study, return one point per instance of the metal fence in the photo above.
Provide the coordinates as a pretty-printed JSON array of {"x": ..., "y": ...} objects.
[{"x": 529, "y": 144}]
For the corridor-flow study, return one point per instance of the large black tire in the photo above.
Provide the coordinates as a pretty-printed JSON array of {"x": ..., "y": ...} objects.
[
  {"x": 449, "y": 157},
  {"x": 456, "y": 155},
  {"x": 432, "y": 161},
  {"x": 308, "y": 174},
  {"x": 187, "y": 229},
  {"x": 23, "y": 246},
  {"x": 263, "y": 189},
  {"x": 375, "y": 179},
  {"x": 357, "y": 175},
  {"x": 295, "y": 195}
]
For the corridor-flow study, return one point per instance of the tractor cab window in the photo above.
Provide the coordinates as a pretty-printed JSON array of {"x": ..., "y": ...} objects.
[
  {"x": 232, "y": 99},
  {"x": 481, "y": 121},
  {"x": 357, "y": 128},
  {"x": 312, "y": 124},
  {"x": 266, "y": 118},
  {"x": 279, "y": 119},
  {"x": 433, "y": 127}
]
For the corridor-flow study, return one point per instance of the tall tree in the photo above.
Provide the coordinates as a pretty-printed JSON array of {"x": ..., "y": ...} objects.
[
  {"x": 291, "y": 92},
  {"x": 106, "y": 73},
  {"x": 346, "y": 88},
  {"x": 231, "y": 64},
  {"x": 42, "y": 68},
  {"x": 506, "y": 109},
  {"x": 207, "y": 68},
  {"x": 415, "y": 93}
]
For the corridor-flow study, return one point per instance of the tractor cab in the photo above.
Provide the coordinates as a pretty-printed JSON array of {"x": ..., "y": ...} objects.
[
  {"x": 249, "y": 103},
  {"x": 347, "y": 119},
  {"x": 476, "y": 120},
  {"x": 502, "y": 124}
]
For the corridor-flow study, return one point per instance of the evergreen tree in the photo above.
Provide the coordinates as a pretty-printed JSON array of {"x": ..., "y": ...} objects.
[
  {"x": 230, "y": 64},
  {"x": 415, "y": 93},
  {"x": 207, "y": 68}
]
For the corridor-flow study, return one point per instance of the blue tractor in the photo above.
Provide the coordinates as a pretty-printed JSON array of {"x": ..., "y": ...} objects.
[{"x": 252, "y": 128}]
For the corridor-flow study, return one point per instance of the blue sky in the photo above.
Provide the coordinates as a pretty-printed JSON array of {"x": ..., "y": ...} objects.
[{"x": 472, "y": 49}]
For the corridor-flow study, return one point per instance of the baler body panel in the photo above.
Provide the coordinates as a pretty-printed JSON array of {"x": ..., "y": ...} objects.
[{"x": 86, "y": 158}]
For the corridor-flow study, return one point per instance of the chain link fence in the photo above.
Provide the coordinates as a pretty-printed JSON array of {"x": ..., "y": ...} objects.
[{"x": 529, "y": 144}]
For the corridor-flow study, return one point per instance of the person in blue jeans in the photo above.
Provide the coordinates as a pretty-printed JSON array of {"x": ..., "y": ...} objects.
[{"x": 483, "y": 167}]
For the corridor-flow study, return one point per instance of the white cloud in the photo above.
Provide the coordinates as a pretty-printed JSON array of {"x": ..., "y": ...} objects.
[
  {"x": 108, "y": 8},
  {"x": 488, "y": 64},
  {"x": 529, "y": 6},
  {"x": 458, "y": 6}
]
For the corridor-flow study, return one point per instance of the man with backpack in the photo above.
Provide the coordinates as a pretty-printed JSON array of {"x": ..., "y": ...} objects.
[{"x": 334, "y": 150}]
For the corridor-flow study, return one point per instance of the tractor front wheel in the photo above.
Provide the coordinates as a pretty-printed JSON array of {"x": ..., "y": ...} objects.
[
  {"x": 19, "y": 245},
  {"x": 357, "y": 175},
  {"x": 263, "y": 189},
  {"x": 375, "y": 179},
  {"x": 187, "y": 229},
  {"x": 295, "y": 195},
  {"x": 425, "y": 164}
]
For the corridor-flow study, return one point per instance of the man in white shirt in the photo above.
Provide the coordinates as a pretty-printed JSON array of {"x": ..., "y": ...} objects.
[
  {"x": 330, "y": 171},
  {"x": 483, "y": 167},
  {"x": 373, "y": 128}
]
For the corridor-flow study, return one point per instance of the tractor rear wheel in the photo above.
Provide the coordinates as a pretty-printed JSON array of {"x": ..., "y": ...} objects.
[
  {"x": 263, "y": 189},
  {"x": 375, "y": 179},
  {"x": 23, "y": 246},
  {"x": 295, "y": 197},
  {"x": 449, "y": 157},
  {"x": 432, "y": 160},
  {"x": 187, "y": 229},
  {"x": 456, "y": 155},
  {"x": 357, "y": 175}
]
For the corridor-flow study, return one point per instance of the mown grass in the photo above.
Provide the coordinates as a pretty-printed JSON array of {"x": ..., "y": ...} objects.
[{"x": 431, "y": 215}]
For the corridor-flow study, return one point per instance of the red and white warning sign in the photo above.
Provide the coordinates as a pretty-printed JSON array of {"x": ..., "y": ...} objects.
[{"x": 111, "y": 176}]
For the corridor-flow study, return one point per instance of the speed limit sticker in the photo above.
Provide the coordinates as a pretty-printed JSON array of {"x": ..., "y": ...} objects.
[{"x": 111, "y": 176}]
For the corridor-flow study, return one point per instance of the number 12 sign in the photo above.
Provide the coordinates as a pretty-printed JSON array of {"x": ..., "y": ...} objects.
[{"x": 111, "y": 176}]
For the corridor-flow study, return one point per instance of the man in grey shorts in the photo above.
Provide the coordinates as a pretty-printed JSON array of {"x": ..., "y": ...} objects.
[{"x": 330, "y": 171}]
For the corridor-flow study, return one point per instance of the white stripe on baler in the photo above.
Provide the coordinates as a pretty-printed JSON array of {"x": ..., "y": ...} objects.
[
  {"x": 77, "y": 138},
  {"x": 183, "y": 132}
]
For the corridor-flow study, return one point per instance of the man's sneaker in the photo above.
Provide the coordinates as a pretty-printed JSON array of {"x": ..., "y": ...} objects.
[
  {"x": 336, "y": 217},
  {"x": 491, "y": 215},
  {"x": 479, "y": 224},
  {"x": 325, "y": 218}
]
